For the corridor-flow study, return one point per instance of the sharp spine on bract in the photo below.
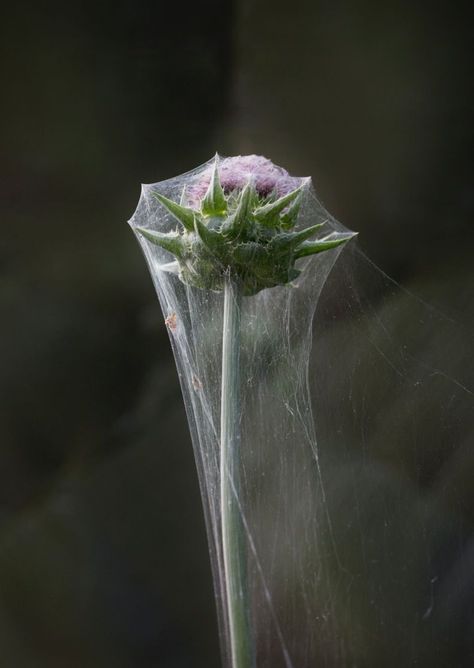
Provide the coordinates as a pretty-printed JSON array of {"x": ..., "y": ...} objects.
[
  {"x": 182, "y": 214},
  {"x": 302, "y": 235},
  {"x": 267, "y": 213},
  {"x": 171, "y": 242},
  {"x": 289, "y": 217},
  {"x": 236, "y": 222},
  {"x": 313, "y": 247},
  {"x": 214, "y": 202},
  {"x": 209, "y": 237}
]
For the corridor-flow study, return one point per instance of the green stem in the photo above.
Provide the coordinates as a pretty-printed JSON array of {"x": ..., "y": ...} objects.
[{"x": 233, "y": 537}]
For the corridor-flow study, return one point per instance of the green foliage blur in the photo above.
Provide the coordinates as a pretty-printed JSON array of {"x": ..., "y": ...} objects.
[{"x": 103, "y": 556}]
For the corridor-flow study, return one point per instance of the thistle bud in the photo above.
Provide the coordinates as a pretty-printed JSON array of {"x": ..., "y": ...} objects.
[{"x": 239, "y": 219}]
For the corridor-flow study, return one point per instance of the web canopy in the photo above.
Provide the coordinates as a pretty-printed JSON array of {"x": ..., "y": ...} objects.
[{"x": 354, "y": 412}]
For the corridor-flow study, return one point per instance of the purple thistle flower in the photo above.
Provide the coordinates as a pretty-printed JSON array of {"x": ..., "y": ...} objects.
[{"x": 236, "y": 172}]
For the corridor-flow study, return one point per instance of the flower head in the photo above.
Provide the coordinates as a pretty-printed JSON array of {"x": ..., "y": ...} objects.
[
  {"x": 238, "y": 218},
  {"x": 237, "y": 171}
]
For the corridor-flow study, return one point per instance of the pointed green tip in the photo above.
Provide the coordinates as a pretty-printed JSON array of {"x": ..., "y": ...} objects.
[
  {"x": 171, "y": 241},
  {"x": 211, "y": 238},
  {"x": 243, "y": 202},
  {"x": 182, "y": 214},
  {"x": 235, "y": 223},
  {"x": 332, "y": 241},
  {"x": 302, "y": 235},
  {"x": 267, "y": 213},
  {"x": 214, "y": 202}
]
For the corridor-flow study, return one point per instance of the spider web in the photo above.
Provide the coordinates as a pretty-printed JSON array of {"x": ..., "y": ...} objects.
[{"x": 355, "y": 412}]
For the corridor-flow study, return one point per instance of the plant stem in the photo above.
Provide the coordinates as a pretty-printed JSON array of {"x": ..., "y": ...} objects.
[{"x": 233, "y": 537}]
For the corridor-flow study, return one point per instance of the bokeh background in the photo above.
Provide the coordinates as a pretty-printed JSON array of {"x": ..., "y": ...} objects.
[{"x": 103, "y": 556}]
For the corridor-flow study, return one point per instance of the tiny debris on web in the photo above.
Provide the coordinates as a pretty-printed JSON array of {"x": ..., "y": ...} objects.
[
  {"x": 197, "y": 383},
  {"x": 171, "y": 322}
]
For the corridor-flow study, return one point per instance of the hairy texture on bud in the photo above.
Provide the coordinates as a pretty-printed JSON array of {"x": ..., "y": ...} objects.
[{"x": 236, "y": 172}]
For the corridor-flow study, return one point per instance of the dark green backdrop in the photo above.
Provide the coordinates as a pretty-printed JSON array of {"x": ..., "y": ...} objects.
[{"x": 103, "y": 559}]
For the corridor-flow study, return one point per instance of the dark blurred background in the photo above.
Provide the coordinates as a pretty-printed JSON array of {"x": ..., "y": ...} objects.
[{"x": 103, "y": 556}]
